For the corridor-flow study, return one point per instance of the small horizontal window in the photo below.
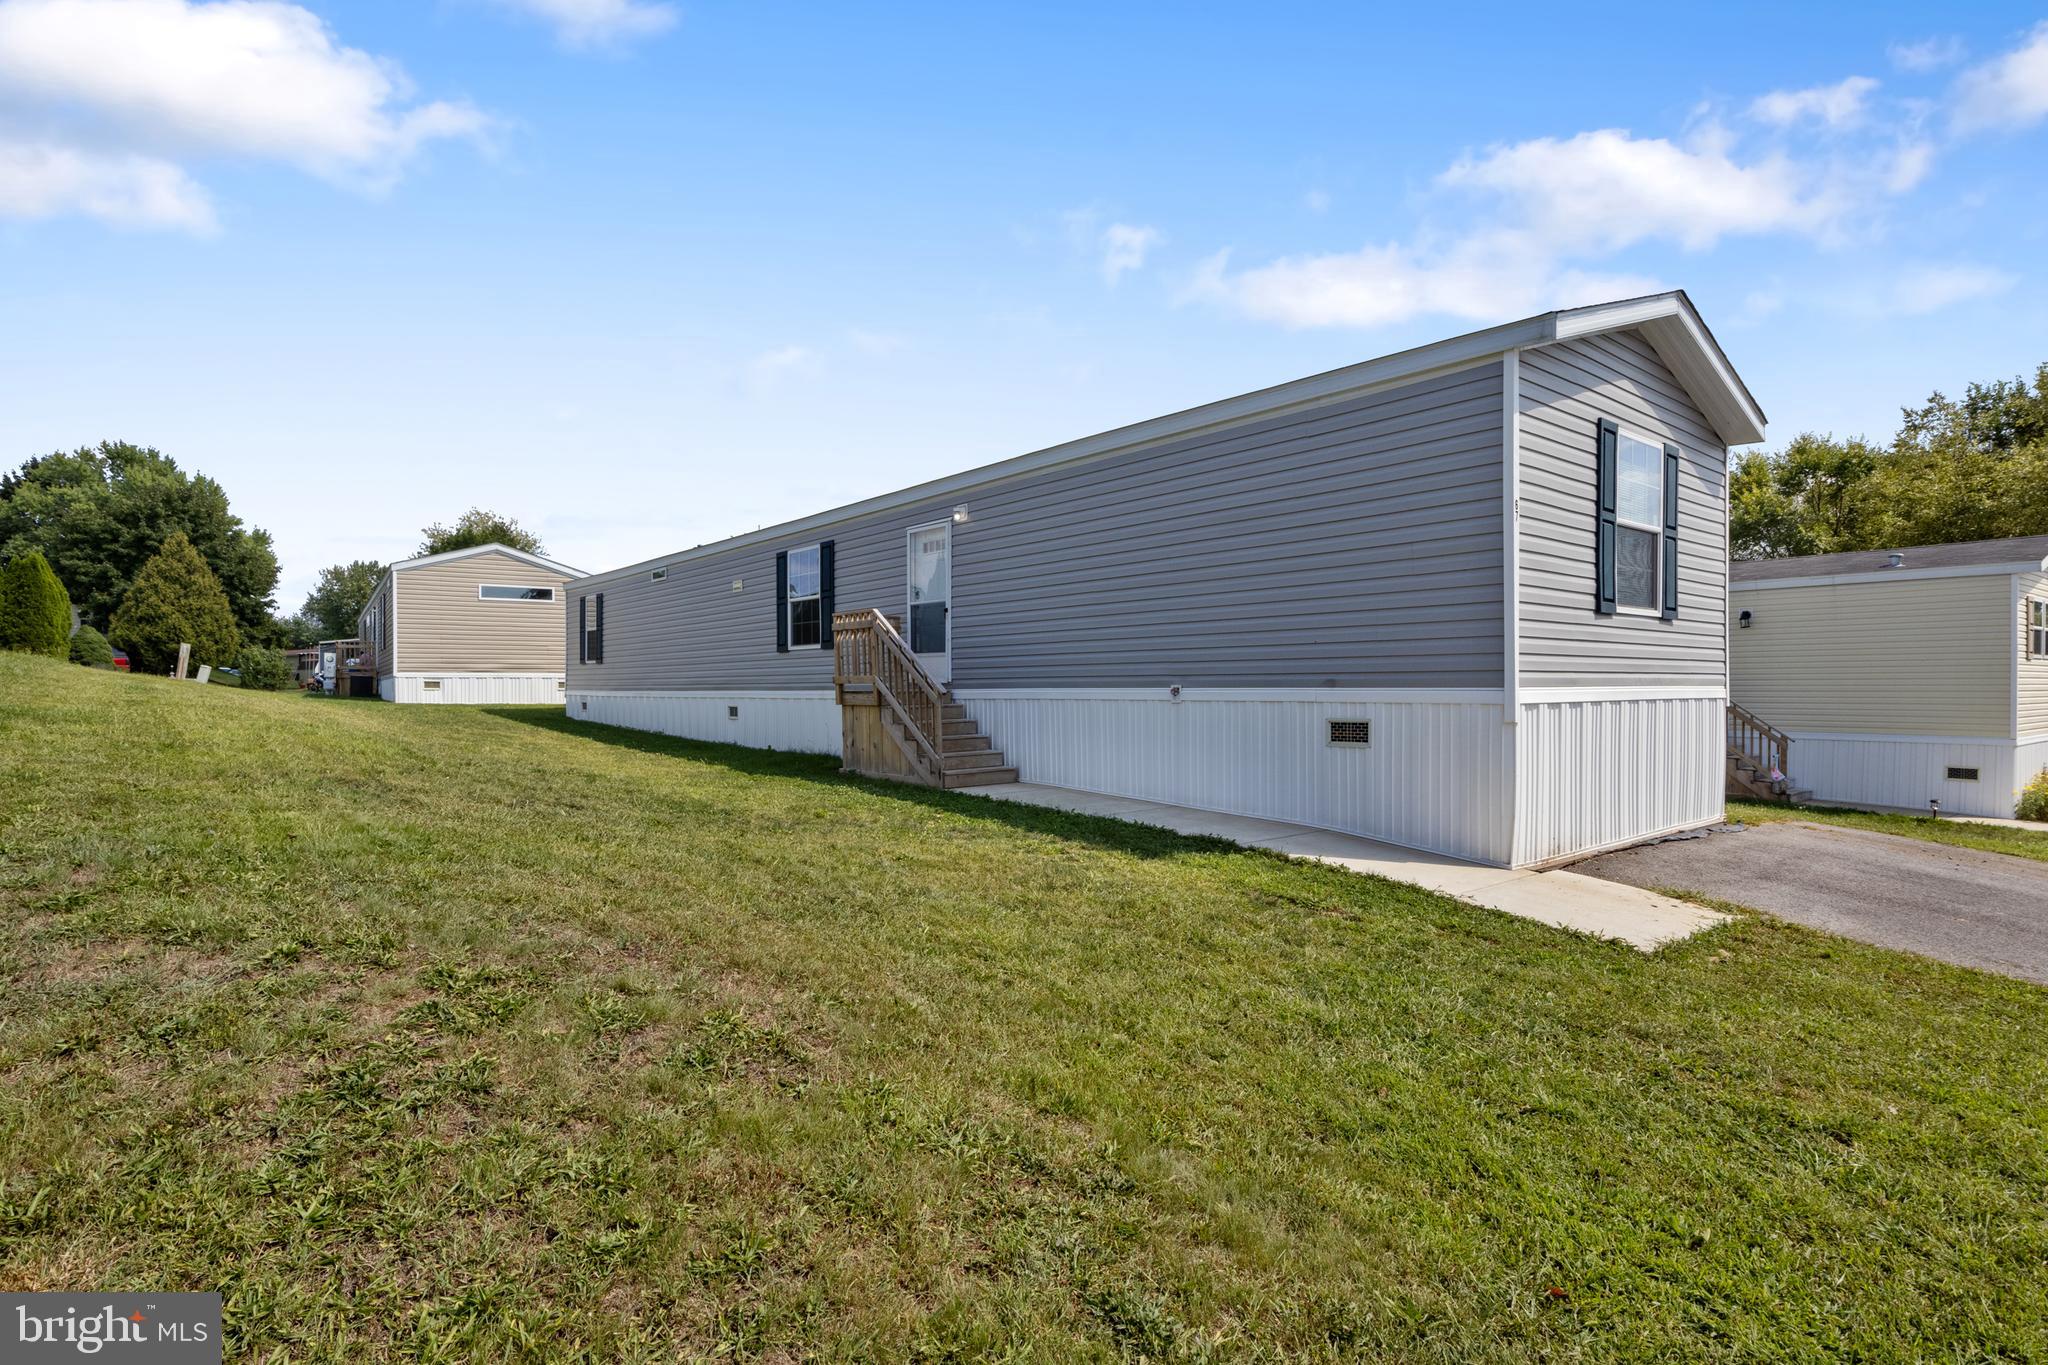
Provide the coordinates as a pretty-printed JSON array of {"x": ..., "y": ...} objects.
[
  {"x": 656, "y": 575},
  {"x": 507, "y": 592},
  {"x": 431, "y": 685},
  {"x": 1962, "y": 774}
]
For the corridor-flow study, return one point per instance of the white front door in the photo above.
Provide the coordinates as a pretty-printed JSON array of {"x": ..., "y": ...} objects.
[{"x": 931, "y": 598}]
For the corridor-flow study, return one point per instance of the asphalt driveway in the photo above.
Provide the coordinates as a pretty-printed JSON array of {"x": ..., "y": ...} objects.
[{"x": 1975, "y": 909}]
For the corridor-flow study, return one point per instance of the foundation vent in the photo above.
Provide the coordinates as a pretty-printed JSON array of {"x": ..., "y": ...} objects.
[
  {"x": 1962, "y": 774},
  {"x": 1351, "y": 734}
]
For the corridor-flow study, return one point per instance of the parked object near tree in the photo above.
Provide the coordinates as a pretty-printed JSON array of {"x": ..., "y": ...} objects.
[
  {"x": 35, "y": 611},
  {"x": 90, "y": 648},
  {"x": 175, "y": 599}
]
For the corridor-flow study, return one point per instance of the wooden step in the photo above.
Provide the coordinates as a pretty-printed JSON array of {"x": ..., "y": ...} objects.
[
  {"x": 977, "y": 777},
  {"x": 952, "y": 710},
  {"x": 961, "y": 726},
  {"x": 964, "y": 744},
  {"x": 965, "y": 762}
]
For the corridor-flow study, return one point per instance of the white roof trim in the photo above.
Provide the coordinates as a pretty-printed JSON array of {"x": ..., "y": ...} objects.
[
  {"x": 1835, "y": 580},
  {"x": 493, "y": 548},
  {"x": 1677, "y": 332}
]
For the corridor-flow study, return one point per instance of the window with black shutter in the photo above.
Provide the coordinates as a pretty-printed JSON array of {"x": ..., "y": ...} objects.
[{"x": 1636, "y": 554}]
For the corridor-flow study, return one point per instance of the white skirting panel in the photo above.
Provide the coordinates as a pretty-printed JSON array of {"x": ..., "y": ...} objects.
[
  {"x": 474, "y": 689},
  {"x": 2030, "y": 759},
  {"x": 1434, "y": 776},
  {"x": 803, "y": 722},
  {"x": 1909, "y": 770},
  {"x": 1595, "y": 774}
]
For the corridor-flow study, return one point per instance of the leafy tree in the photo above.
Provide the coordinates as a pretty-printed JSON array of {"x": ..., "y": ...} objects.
[
  {"x": 342, "y": 593},
  {"x": 478, "y": 527},
  {"x": 293, "y": 632},
  {"x": 35, "y": 611},
  {"x": 90, "y": 648},
  {"x": 264, "y": 669},
  {"x": 99, "y": 513},
  {"x": 1974, "y": 469},
  {"x": 175, "y": 598}
]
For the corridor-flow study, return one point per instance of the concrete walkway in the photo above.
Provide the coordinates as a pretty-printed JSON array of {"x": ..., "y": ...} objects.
[{"x": 1587, "y": 905}]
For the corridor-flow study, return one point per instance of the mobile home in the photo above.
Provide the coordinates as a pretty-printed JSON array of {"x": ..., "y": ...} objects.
[
  {"x": 1469, "y": 598},
  {"x": 477, "y": 625},
  {"x": 1901, "y": 677}
]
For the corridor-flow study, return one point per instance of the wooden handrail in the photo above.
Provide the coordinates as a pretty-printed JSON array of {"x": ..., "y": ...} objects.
[
  {"x": 867, "y": 652},
  {"x": 1770, "y": 749}
]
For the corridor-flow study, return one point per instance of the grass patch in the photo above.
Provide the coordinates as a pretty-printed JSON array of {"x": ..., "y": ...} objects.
[
  {"x": 445, "y": 1033},
  {"x": 2022, "y": 843}
]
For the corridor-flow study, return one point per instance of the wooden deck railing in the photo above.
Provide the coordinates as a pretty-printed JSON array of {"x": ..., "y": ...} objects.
[
  {"x": 1768, "y": 748},
  {"x": 867, "y": 651}
]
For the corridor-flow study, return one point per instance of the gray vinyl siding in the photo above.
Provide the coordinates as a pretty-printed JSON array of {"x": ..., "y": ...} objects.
[
  {"x": 1565, "y": 390},
  {"x": 1354, "y": 544}
]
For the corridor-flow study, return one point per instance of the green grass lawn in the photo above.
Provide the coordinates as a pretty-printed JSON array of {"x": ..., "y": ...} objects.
[
  {"x": 453, "y": 1034},
  {"x": 2023, "y": 843}
]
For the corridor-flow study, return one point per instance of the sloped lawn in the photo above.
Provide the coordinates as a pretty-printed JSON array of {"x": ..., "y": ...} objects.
[{"x": 451, "y": 1034}]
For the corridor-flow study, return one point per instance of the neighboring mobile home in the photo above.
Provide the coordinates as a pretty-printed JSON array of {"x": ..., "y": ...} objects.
[
  {"x": 1901, "y": 676},
  {"x": 1468, "y": 598},
  {"x": 477, "y": 625}
]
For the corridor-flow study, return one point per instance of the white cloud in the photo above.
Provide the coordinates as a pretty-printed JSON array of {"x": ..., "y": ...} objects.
[
  {"x": 1481, "y": 277},
  {"x": 1840, "y": 105},
  {"x": 1118, "y": 248},
  {"x": 1930, "y": 288},
  {"x": 1929, "y": 54},
  {"x": 255, "y": 78},
  {"x": 1125, "y": 247},
  {"x": 586, "y": 24},
  {"x": 777, "y": 362},
  {"x": 46, "y": 180},
  {"x": 1646, "y": 188},
  {"x": 2009, "y": 91}
]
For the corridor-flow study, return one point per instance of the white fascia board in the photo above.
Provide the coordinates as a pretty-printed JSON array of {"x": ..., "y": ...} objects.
[
  {"x": 540, "y": 561},
  {"x": 1837, "y": 580},
  {"x": 1675, "y": 329}
]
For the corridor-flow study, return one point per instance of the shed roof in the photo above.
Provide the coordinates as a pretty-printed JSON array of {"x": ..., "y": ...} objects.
[{"x": 1984, "y": 556}]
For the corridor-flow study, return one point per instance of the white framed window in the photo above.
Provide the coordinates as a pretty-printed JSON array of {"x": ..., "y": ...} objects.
[
  {"x": 513, "y": 592},
  {"x": 2037, "y": 628},
  {"x": 805, "y": 602},
  {"x": 1638, "y": 524}
]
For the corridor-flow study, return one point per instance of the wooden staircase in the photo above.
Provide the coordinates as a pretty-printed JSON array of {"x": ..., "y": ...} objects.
[
  {"x": 896, "y": 720},
  {"x": 1759, "y": 757}
]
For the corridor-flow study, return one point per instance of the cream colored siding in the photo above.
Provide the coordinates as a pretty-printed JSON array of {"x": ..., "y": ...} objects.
[
  {"x": 2034, "y": 671},
  {"x": 444, "y": 626},
  {"x": 1924, "y": 656}
]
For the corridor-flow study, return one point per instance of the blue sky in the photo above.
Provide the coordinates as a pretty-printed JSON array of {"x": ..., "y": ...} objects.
[{"x": 645, "y": 274}]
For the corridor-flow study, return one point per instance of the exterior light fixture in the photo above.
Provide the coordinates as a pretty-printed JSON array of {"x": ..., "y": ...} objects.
[
  {"x": 1743, "y": 620},
  {"x": 960, "y": 512}
]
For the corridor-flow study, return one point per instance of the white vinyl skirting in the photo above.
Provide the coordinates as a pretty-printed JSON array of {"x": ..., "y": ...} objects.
[
  {"x": 473, "y": 689},
  {"x": 1911, "y": 770},
  {"x": 1437, "y": 773}
]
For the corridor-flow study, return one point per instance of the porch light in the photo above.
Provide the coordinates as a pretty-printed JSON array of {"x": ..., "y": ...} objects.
[{"x": 960, "y": 512}]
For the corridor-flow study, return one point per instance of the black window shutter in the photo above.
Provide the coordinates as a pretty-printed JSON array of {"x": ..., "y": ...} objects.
[
  {"x": 583, "y": 630},
  {"x": 1603, "y": 554},
  {"x": 1670, "y": 575},
  {"x": 782, "y": 602},
  {"x": 599, "y": 656},
  {"x": 825, "y": 596}
]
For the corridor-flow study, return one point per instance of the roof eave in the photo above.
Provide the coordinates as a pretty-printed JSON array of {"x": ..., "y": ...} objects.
[{"x": 1682, "y": 340}]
